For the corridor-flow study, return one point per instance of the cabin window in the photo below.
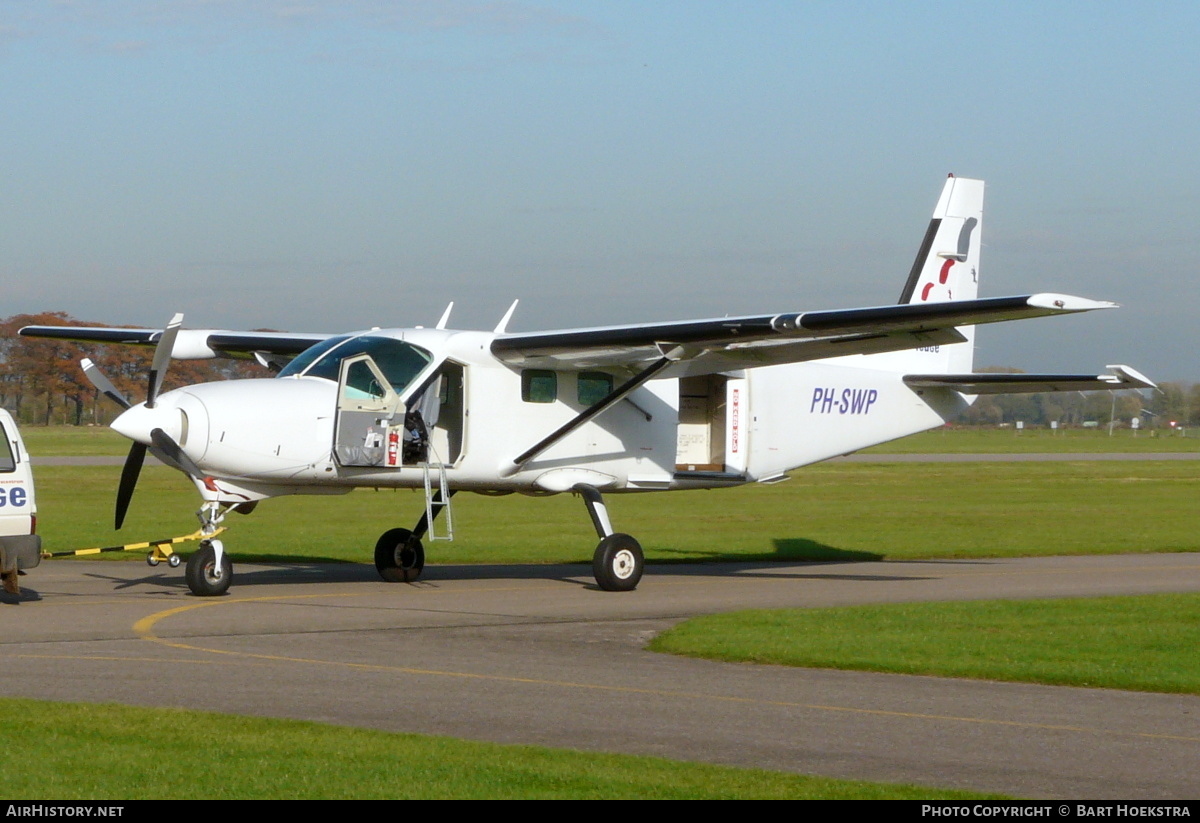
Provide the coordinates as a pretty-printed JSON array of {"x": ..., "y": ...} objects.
[
  {"x": 594, "y": 386},
  {"x": 539, "y": 386},
  {"x": 7, "y": 462}
]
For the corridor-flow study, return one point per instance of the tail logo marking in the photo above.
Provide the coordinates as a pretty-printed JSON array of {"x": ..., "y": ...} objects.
[{"x": 964, "y": 248}]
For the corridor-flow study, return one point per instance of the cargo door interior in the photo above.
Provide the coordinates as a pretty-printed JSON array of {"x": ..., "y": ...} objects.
[{"x": 701, "y": 437}]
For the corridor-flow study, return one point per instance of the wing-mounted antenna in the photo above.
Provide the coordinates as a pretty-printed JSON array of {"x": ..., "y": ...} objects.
[
  {"x": 441, "y": 324},
  {"x": 502, "y": 326}
]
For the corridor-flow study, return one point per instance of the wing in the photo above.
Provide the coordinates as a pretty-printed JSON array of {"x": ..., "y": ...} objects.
[
  {"x": 724, "y": 344},
  {"x": 1122, "y": 377},
  {"x": 190, "y": 344}
]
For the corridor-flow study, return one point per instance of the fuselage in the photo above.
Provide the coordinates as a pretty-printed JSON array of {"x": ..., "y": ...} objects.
[{"x": 377, "y": 409}]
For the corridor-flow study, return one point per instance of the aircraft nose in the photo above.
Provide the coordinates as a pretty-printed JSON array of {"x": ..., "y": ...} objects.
[{"x": 137, "y": 422}]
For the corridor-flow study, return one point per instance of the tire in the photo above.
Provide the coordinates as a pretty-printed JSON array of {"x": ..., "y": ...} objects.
[
  {"x": 399, "y": 557},
  {"x": 203, "y": 577},
  {"x": 618, "y": 563}
]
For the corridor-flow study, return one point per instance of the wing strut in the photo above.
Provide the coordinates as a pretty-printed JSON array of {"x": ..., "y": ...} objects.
[{"x": 611, "y": 399}]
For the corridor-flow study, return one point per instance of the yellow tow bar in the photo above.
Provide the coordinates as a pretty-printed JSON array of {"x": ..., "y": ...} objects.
[{"x": 160, "y": 550}]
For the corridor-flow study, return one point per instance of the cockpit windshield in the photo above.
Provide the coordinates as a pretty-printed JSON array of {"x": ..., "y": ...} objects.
[{"x": 399, "y": 361}]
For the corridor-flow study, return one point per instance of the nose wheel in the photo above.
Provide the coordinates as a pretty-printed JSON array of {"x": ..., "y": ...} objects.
[{"x": 209, "y": 570}]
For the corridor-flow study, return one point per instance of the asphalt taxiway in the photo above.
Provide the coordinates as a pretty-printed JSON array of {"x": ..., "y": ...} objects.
[{"x": 537, "y": 654}]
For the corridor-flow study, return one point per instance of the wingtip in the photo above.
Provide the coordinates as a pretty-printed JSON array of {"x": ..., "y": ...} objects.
[
  {"x": 1128, "y": 374},
  {"x": 1068, "y": 302}
]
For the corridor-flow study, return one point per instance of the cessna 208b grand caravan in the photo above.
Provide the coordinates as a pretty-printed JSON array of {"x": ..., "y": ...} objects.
[{"x": 648, "y": 407}]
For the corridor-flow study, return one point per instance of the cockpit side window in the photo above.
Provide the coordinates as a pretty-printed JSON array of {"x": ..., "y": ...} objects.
[
  {"x": 306, "y": 358},
  {"x": 399, "y": 361}
]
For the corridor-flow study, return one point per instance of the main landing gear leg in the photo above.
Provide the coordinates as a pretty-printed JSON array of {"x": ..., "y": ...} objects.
[
  {"x": 618, "y": 562},
  {"x": 399, "y": 555}
]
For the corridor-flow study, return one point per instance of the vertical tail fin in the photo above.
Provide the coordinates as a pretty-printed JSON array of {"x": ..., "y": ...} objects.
[{"x": 947, "y": 264}]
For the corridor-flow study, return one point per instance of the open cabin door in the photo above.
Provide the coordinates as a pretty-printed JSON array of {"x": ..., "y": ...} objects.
[
  {"x": 712, "y": 425},
  {"x": 449, "y": 414},
  {"x": 369, "y": 429},
  {"x": 376, "y": 428}
]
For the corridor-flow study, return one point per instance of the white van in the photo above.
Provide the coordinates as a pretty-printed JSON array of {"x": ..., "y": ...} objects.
[{"x": 20, "y": 547}]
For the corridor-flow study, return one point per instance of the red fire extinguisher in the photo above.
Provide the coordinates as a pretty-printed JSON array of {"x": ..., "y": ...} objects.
[{"x": 393, "y": 448}]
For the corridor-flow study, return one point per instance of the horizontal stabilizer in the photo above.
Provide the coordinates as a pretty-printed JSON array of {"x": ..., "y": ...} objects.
[{"x": 1121, "y": 377}]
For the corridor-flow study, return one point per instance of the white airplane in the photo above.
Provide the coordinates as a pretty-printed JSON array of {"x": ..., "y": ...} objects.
[{"x": 647, "y": 407}]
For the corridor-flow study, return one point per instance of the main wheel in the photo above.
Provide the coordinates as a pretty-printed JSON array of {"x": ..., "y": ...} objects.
[
  {"x": 399, "y": 557},
  {"x": 618, "y": 563},
  {"x": 204, "y": 577}
]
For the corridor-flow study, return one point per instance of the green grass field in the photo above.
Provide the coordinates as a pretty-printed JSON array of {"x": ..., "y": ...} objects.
[
  {"x": 47, "y": 441},
  {"x": 958, "y": 440},
  {"x": 72, "y": 441},
  {"x": 72, "y": 751},
  {"x": 1144, "y": 643},
  {"x": 826, "y": 512}
]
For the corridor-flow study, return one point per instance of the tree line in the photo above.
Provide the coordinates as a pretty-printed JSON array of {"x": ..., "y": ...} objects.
[
  {"x": 41, "y": 382},
  {"x": 1173, "y": 405}
]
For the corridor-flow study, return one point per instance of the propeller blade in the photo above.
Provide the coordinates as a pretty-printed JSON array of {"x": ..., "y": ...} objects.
[
  {"x": 172, "y": 450},
  {"x": 129, "y": 478},
  {"x": 171, "y": 453},
  {"x": 103, "y": 385},
  {"x": 162, "y": 359}
]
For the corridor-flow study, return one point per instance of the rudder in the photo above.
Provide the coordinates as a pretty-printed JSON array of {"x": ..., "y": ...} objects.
[{"x": 947, "y": 264}]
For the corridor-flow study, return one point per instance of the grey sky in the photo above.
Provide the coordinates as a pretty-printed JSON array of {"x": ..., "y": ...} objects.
[{"x": 326, "y": 166}]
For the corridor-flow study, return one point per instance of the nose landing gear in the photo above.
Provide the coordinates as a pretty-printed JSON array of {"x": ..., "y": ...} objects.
[{"x": 209, "y": 571}]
